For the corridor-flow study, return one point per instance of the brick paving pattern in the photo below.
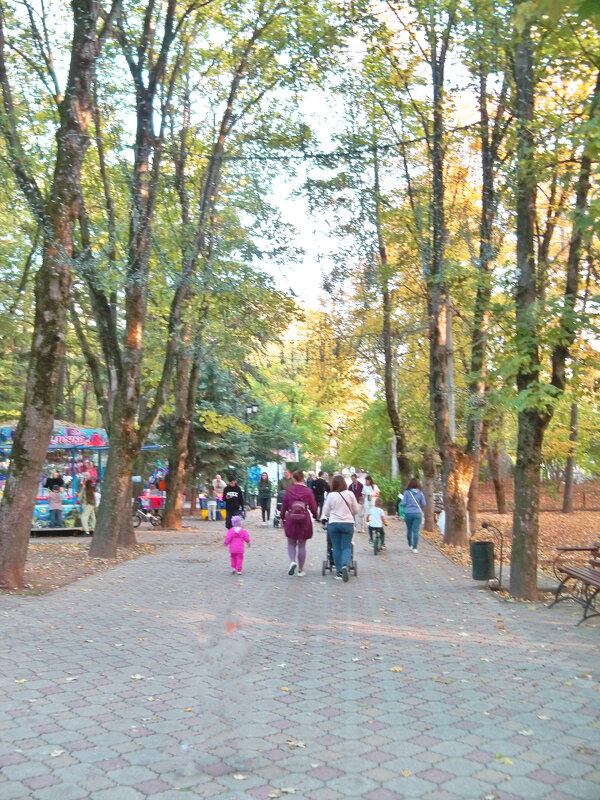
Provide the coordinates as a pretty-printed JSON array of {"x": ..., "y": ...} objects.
[{"x": 170, "y": 678}]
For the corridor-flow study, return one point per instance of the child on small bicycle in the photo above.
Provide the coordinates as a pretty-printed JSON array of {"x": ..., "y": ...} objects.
[{"x": 377, "y": 522}]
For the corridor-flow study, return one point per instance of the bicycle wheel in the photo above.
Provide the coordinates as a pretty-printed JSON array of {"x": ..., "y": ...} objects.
[{"x": 136, "y": 521}]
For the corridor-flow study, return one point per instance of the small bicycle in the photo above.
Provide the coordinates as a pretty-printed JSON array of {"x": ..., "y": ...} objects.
[
  {"x": 141, "y": 515},
  {"x": 377, "y": 540}
]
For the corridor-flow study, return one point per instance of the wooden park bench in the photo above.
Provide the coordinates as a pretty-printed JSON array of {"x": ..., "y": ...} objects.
[{"x": 579, "y": 582}]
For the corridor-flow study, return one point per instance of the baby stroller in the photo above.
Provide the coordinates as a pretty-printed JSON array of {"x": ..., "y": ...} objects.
[
  {"x": 277, "y": 514},
  {"x": 328, "y": 563}
]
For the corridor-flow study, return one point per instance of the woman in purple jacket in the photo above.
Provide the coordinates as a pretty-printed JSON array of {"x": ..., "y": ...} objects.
[{"x": 296, "y": 508}]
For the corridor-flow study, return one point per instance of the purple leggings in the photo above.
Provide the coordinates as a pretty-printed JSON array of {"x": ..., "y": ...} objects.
[{"x": 301, "y": 545}]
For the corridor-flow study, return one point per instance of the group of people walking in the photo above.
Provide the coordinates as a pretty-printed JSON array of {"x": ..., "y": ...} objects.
[{"x": 339, "y": 505}]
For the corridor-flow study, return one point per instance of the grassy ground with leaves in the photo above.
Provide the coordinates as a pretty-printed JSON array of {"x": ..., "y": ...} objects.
[
  {"x": 56, "y": 562},
  {"x": 579, "y": 529}
]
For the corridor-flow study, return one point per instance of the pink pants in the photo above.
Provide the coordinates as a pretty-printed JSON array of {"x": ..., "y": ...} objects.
[
  {"x": 301, "y": 545},
  {"x": 237, "y": 559}
]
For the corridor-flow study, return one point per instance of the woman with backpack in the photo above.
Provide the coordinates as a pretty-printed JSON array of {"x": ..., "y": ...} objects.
[{"x": 296, "y": 509}]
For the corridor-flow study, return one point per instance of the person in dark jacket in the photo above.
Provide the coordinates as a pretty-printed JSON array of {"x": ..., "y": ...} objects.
[
  {"x": 264, "y": 497},
  {"x": 319, "y": 488},
  {"x": 296, "y": 509},
  {"x": 233, "y": 497}
]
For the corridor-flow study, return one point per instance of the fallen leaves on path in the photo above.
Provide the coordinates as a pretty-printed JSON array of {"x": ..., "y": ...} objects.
[
  {"x": 56, "y": 562},
  {"x": 579, "y": 529}
]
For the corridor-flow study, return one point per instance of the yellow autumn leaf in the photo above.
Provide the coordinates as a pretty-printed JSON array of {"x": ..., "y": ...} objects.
[
  {"x": 406, "y": 773},
  {"x": 285, "y": 689},
  {"x": 396, "y": 669}
]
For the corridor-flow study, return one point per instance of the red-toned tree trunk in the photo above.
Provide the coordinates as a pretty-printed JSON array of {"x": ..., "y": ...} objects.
[{"x": 53, "y": 282}]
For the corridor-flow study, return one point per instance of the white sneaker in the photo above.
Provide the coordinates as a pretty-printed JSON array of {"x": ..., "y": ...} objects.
[
  {"x": 292, "y": 568},
  {"x": 239, "y": 572},
  {"x": 301, "y": 573},
  {"x": 415, "y": 550},
  {"x": 233, "y": 571}
]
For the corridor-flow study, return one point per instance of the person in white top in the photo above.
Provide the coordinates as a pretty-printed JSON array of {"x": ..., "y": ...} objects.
[
  {"x": 340, "y": 509},
  {"x": 370, "y": 492},
  {"x": 377, "y": 522}
]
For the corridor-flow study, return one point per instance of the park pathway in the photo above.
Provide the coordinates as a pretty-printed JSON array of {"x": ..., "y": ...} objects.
[{"x": 169, "y": 678}]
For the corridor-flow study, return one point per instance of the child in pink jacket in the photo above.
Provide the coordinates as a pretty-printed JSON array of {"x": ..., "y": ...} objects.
[{"x": 236, "y": 536}]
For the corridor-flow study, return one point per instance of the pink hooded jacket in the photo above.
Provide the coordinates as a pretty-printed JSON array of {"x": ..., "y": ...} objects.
[{"x": 236, "y": 538}]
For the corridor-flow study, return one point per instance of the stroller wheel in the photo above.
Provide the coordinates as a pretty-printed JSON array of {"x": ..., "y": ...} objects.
[
  {"x": 324, "y": 568},
  {"x": 354, "y": 568}
]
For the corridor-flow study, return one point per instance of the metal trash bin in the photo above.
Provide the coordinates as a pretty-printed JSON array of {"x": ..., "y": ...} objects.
[{"x": 482, "y": 557}]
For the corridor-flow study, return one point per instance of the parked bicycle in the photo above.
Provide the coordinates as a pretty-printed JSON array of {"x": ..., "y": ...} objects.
[{"x": 142, "y": 515}]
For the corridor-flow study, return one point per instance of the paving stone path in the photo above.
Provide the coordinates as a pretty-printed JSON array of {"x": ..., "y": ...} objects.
[{"x": 169, "y": 678}]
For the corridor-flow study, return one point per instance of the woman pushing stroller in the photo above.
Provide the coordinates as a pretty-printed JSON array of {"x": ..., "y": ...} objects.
[{"x": 341, "y": 508}]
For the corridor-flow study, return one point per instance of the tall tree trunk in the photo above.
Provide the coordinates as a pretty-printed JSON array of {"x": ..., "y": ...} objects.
[
  {"x": 531, "y": 422},
  {"x": 391, "y": 395},
  {"x": 429, "y": 471},
  {"x": 523, "y": 560},
  {"x": 570, "y": 465},
  {"x": 473, "y": 506},
  {"x": 493, "y": 453},
  {"x": 457, "y": 467},
  {"x": 126, "y": 536},
  {"x": 179, "y": 442},
  {"x": 52, "y": 287}
]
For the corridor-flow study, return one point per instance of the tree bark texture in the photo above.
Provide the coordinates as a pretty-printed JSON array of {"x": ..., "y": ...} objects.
[
  {"x": 531, "y": 422},
  {"x": 126, "y": 439},
  {"x": 391, "y": 397},
  {"x": 52, "y": 291},
  {"x": 473, "y": 504},
  {"x": 493, "y": 454},
  {"x": 456, "y": 466},
  {"x": 567, "y": 507},
  {"x": 429, "y": 472},
  {"x": 179, "y": 442},
  {"x": 523, "y": 573}
]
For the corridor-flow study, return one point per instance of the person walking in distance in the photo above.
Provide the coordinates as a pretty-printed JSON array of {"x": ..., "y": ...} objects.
[
  {"x": 233, "y": 497},
  {"x": 87, "y": 501},
  {"x": 286, "y": 481},
  {"x": 296, "y": 509},
  {"x": 211, "y": 502},
  {"x": 356, "y": 487},
  {"x": 340, "y": 509},
  {"x": 264, "y": 497},
  {"x": 319, "y": 488},
  {"x": 370, "y": 492},
  {"x": 55, "y": 505},
  {"x": 219, "y": 485},
  {"x": 235, "y": 538},
  {"x": 414, "y": 502}
]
